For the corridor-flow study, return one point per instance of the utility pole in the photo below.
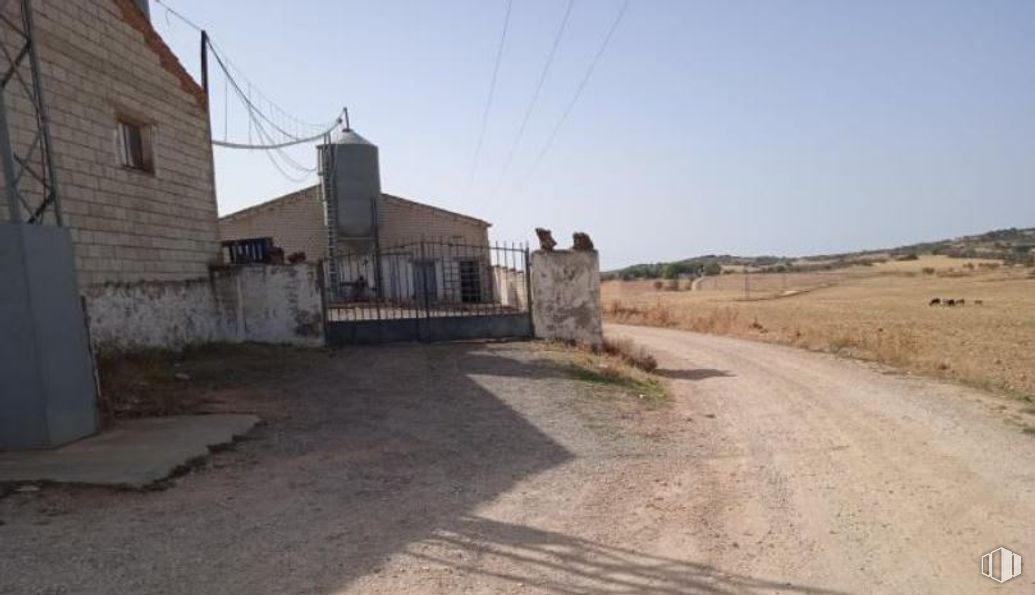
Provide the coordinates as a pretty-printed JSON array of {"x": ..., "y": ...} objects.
[{"x": 204, "y": 63}]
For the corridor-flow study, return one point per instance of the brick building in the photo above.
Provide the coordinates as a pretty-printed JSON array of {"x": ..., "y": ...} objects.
[
  {"x": 131, "y": 143},
  {"x": 132, "y": 153},
  {"x": 296, "y": 222}
]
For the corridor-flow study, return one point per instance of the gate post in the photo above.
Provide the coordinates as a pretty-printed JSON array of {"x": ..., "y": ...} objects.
[
  {"x": 566, "y": 295},
  {"x": 321, "y": 286},
  {"x": 528, "y": 291}
]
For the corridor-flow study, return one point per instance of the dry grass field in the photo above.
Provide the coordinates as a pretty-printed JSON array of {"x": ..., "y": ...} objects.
[{"x": 878, "y": 313}]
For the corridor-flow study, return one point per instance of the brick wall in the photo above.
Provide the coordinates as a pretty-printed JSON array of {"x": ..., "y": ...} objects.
[
  {"x": 296, "y": 223},
  {"x": 100, "y": 59},
  {"x": 404, "y": 220}
]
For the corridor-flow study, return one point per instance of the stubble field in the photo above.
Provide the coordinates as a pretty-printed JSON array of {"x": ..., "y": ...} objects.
[{"x": 878, "y": 313}]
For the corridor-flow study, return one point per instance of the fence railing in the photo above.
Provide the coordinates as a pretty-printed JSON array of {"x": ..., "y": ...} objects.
[{"x": 428, "y": 279}]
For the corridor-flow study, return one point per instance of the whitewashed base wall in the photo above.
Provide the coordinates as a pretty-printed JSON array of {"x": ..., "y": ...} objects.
[{"x": 262, "y": 303}]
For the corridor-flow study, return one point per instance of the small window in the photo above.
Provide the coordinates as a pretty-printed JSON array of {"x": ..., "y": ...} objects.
[{"x": 135, "y": 146}]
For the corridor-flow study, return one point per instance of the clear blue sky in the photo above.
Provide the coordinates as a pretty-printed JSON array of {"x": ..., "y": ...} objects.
[{"x": 727, "y": 126}]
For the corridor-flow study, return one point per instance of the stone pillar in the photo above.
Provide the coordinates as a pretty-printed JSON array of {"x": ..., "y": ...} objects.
[{"x": 566, "y": 295}]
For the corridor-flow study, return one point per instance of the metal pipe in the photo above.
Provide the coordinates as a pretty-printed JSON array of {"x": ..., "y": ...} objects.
[{"x": 204, "y": 63}]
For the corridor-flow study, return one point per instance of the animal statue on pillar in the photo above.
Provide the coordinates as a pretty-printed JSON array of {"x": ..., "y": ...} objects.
[
  {"x": 546, "y": 241},
  {"x": 580, "y": 241}
]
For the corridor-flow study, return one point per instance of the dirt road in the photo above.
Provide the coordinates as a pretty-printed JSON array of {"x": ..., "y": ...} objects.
[
  {"x": 838, "y": 474},
  {"x": 486, "y": 468}
]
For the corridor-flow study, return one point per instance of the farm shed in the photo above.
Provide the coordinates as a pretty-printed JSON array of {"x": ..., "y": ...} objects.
[{"x": 297, "y": 222}]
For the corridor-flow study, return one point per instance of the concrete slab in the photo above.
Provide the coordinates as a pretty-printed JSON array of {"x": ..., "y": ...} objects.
[{"x": 133, "y": 453}]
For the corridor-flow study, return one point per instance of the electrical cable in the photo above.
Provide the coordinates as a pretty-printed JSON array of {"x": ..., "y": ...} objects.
[
  {"x": 538, "y": 91},
  {"x": 492, "y": 92},
  {"x": 578, "y": 91}
]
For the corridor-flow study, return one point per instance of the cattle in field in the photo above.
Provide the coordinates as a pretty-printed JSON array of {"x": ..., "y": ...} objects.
[
  {"x": 979, "y": 302},
  {"x": 961, "y": 302},
  {"x": 935, "y": 302},
  {"x": 949, "y": 303}
]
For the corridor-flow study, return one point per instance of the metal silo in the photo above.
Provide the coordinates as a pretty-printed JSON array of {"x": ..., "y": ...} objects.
[{"x": 351, "y": 177}]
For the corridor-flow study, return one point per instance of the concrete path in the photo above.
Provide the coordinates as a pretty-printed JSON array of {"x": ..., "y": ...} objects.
[{"x": 132, "y": 454}]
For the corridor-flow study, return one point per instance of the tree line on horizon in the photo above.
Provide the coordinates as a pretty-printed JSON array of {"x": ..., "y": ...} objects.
[{"x": 1013, "y": 246}]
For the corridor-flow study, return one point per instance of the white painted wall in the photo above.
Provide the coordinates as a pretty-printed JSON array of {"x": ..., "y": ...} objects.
[
  {"x": 263, "y": 303},
  {"x": 277, "y": 304},
  {"x": 153, "y": 314},
  {"x": 566, "y": 296}
]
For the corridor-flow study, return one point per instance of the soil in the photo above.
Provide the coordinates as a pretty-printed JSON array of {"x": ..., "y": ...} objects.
[
  {"x": 488, "y": 468},
  {"x": 878, "y": 313}
]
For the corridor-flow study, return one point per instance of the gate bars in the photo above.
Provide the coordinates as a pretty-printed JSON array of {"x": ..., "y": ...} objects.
[{"x": 428, "y": 279}]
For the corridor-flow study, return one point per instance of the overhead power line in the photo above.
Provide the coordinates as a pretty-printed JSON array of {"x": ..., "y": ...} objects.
[
  {"x": 227, "y": 66},
  {"x": 271, "y": 129},
  {"x": 538, "y": 90},
  {"x": 290, "y": 143},
  {"x": 582, "y": 86},
  {"x": 256, "y": 113},
  {"x": 492, "y": 93},
  {"x": 169, "y": 10}
]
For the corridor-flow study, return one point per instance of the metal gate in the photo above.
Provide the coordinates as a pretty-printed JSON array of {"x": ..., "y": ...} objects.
[{"x": 427, "y": 291}]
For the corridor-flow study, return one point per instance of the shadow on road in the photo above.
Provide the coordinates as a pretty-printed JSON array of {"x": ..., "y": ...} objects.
[
  {"x": 561, "y": 563},
  {"x": 693, "y": 374},
  {"x": 373, "y": 453}
]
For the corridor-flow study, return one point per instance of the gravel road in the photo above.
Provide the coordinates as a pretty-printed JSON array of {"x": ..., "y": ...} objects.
[
  {"x": 485, "y": 468},
  {"x": 841, "y": 474}
]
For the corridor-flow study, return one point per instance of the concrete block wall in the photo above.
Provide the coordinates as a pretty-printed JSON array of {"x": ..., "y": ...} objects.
[
  {"x": 101, "y": 60},
  {"x": 404, "y": 220},
  {"x": 566, "y": 296},
  {"x": 297, "y": 223},
  {"x": 263, "y": 303}
]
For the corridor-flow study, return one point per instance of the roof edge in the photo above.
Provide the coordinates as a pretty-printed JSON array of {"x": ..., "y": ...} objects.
[
  {"x": 135, "y": 17},
  {"x": 266, "y": 204},
  {"x": 437, "y": 209},
  {"x": 300, "y": 193}
]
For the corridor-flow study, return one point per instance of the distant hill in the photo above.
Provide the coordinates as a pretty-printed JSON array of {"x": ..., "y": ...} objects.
[{"x": 1011, "y": 246}]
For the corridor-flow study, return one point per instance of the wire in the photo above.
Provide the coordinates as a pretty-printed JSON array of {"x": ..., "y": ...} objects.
[
  {"x": 538, "y": 91},
  {"x": 580, "y": 88},
  {"x": 290, "y": 143},
  {"x": 227, "y": 66},
  {"x": 169, "y": 10},
  {"x": 244, "y": 97},
  {"x": 278, "y": 149},
  {"x": 256, "y": 116},
  {"x": 265, "y": 125},
  {"x": 492, "y": 92}
]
